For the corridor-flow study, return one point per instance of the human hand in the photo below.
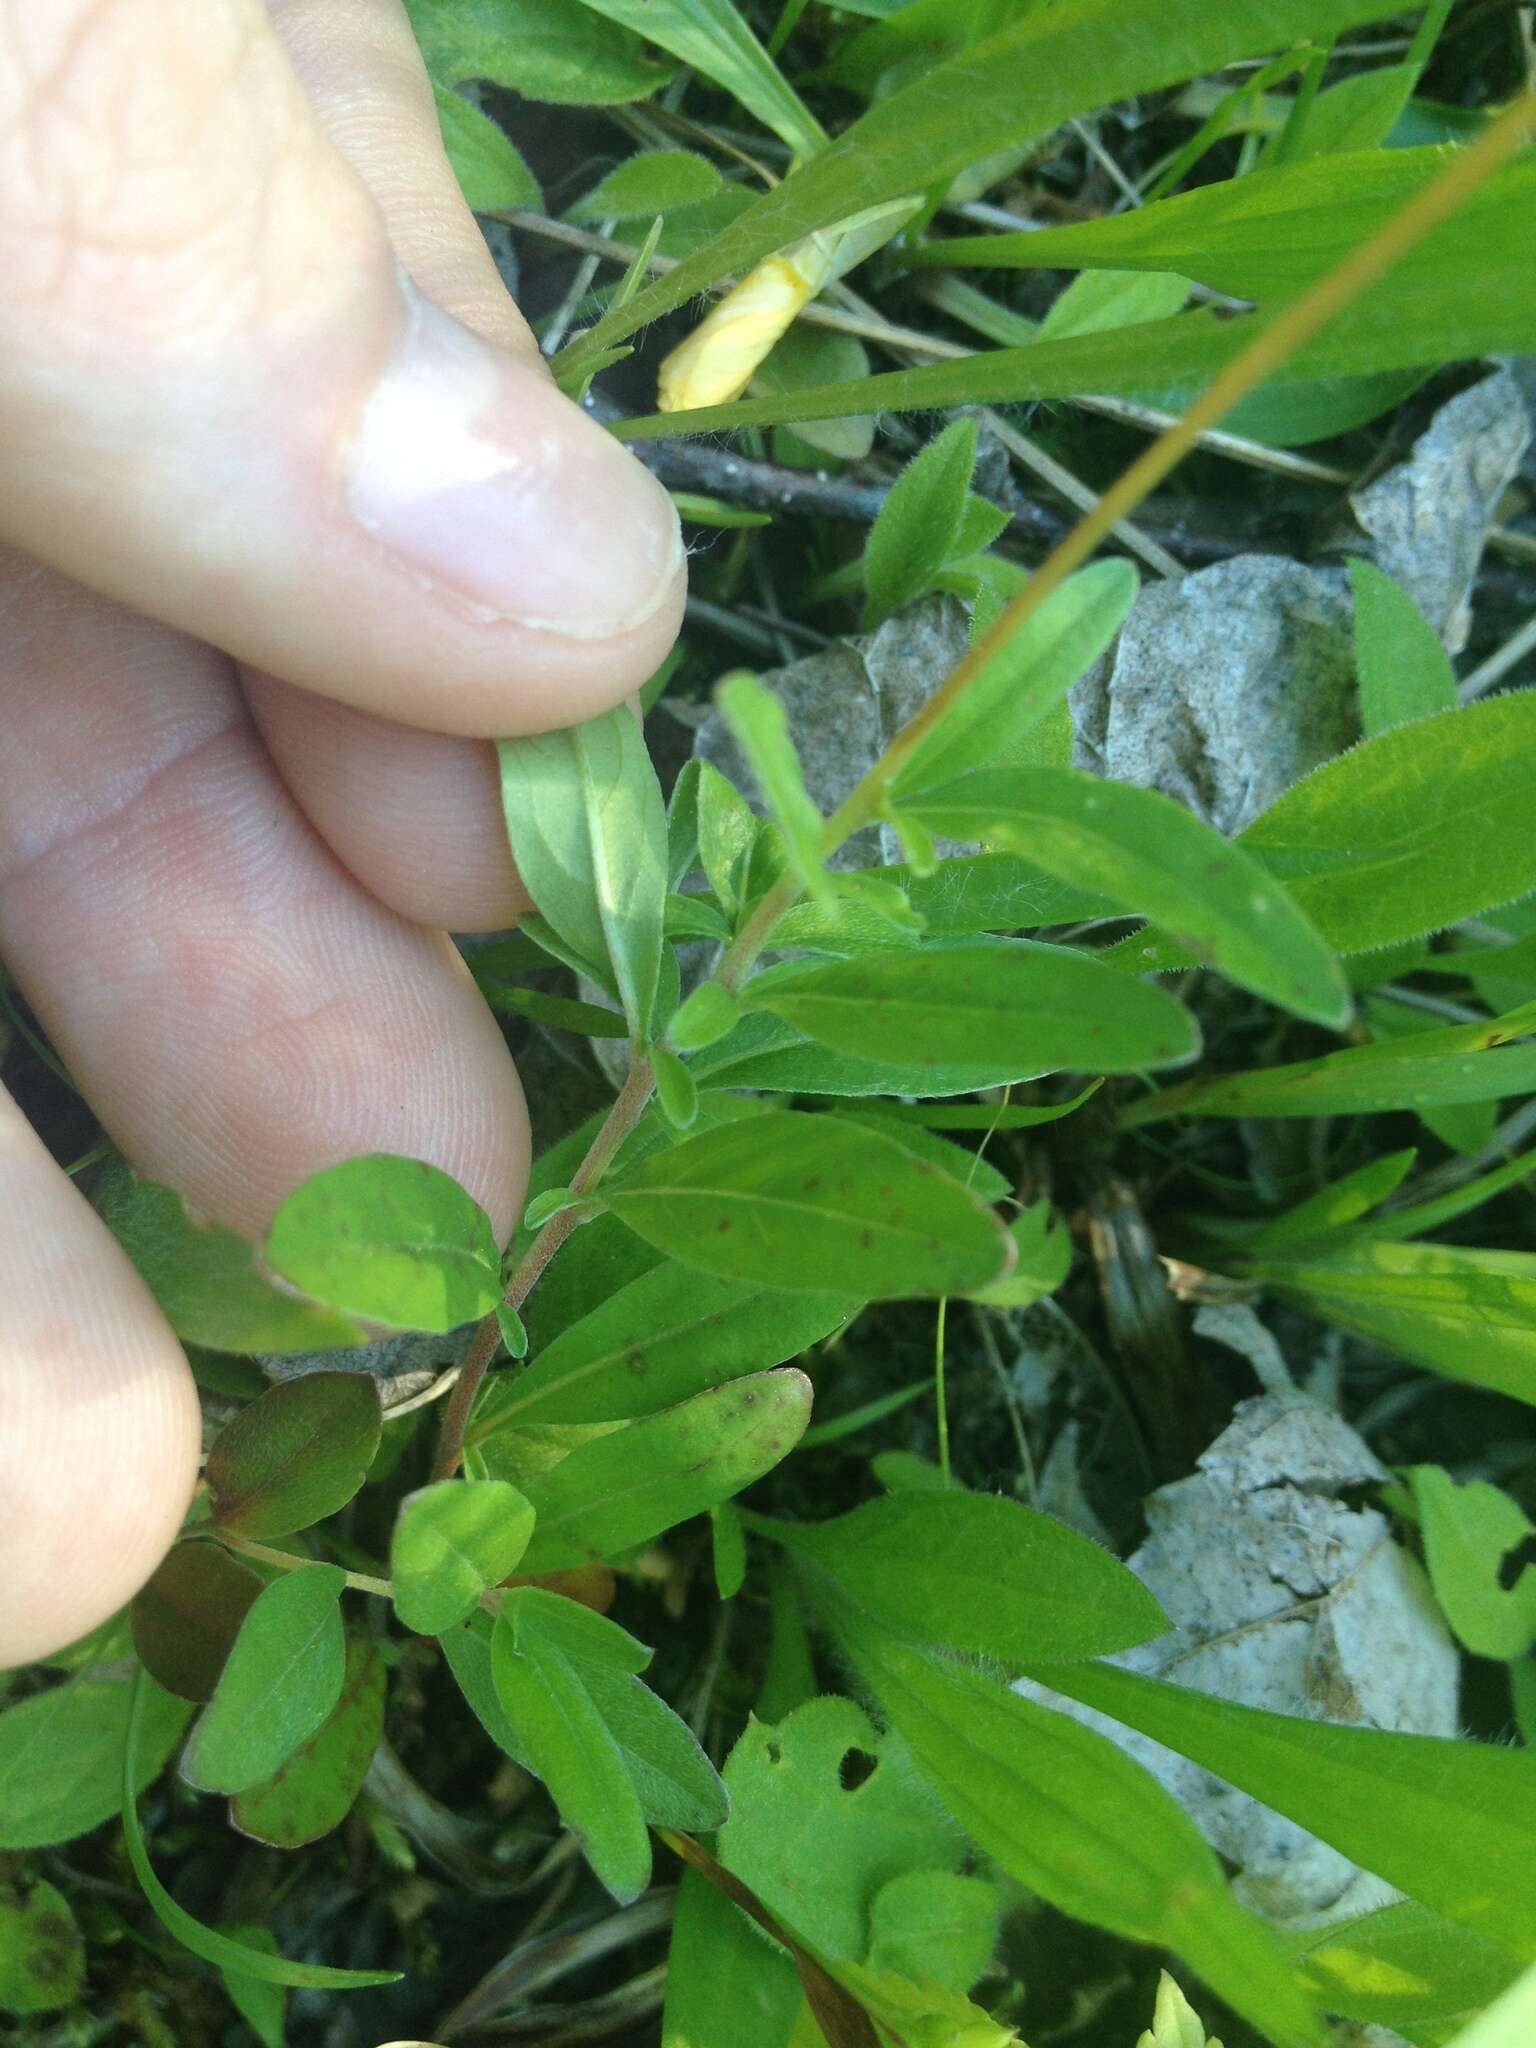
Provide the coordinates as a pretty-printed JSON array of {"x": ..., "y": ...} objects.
[{"x": 295, "y": 541}]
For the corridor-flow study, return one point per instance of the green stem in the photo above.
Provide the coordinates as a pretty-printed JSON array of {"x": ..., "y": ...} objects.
[
  {"x": 628, "y": 1108},
  {"x": 360, "y": 1582}
]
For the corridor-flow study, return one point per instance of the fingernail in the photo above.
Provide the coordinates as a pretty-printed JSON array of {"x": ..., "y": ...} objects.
[{"x": 472, "y": 468}]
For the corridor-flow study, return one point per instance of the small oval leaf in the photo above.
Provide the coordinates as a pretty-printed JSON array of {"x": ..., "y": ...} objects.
[
  {"x": 452, "y": 1541},
  {"x": 283, "y": 1677},
  {"x": 186, "y": 1619},
  {"x": 296, "y": 1455}
]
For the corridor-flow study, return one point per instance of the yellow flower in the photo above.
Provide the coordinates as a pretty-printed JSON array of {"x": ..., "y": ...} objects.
[{"x": 718, "y": 360}]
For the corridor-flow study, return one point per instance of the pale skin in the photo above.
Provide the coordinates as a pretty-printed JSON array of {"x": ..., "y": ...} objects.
[{"x": 280, "y": 547}]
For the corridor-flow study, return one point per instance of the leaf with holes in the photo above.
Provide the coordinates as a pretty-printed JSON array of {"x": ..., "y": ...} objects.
[{"x": 1480, "y": 1547}]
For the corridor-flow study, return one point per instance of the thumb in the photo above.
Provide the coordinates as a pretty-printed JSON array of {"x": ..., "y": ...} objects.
[{"x": 223, "y": 403}]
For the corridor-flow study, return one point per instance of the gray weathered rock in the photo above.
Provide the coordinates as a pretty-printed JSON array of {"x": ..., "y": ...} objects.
[{"x": 1284, "y": 1597}]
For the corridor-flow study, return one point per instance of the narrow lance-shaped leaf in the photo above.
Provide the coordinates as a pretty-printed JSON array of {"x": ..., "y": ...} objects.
[
  {"x": 1073, "y": 1818},
  {"x": 1027, "y": 675},
  {"x": 1020, "y": 84},
  {"x": 811, "y": 1203},
  {"x": 1150, "y": 855},
  {"x": 190, "y": 1932},
  {"x": 1404, "y": 671},
  {"x": 998, "y": 1003},
  {"x": 671, "y": 1333},
  {"x": 979, "y": 1573},
  {"x": 1450, "y": 1822},
  {"x": 711, "y": 36},
  {"x": 1468, "y": 1314},
  {"x": 588, "y": 831},
  {"x": 758, "y": 721},
  {"x": 1461, "y": 1063},
  {"x": 570, "y": 1746},
  {"x": 916, "y": 530},
  {"x": 623, "y": 1489},
  {"x": 487, "y": 163}
]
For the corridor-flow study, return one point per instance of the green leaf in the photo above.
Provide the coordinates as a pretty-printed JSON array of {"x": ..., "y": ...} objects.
[
  {"x": 1149, "y": 854},
  {"x": 976, "y": 1572},
  {"x": 451, "y": 1542},
  {"x": 213, "y": 1948},
  {"x": 391, "y": 1240},
  {"x": 42, "y": 1954},
  {"x": 815, "y": 1851},
  {"x": 281, "y": 1680},
  {"x": 1401, "y": 1966},
  {"x": 763, "y": 1052},
  {"x": 1458, "y": 1063},
  {"x": 1008, "y": 1004},
  {"x": 1450, "y": 1822},
  {"x": 707, "y": 1015},
  {"x": 1024, "y": 679},
  {"x": 1341, "y": 1202},
  {"x": 915, "y": 533},
  {"x": 934, "y": 1924},
  {"x": 313, "y": 1791},
  {"x": 1404, "y": 671},
  {"x": 1470, "y": 1315},
  {"x": 653, "y": 182},
  {"x": 1413, "y": 830},
  {"x": 711, "y": 36},
  {"x": 1042, "y": 1260},
  {"x": 1102, "y": 299},
  {"x": 810, "y": 356},
  {"x": 760, "y": 727},
  {"x": 61, "y": 1755},
  {"x": 1069, "y": 1815},
  {"x": 1357, "y": 113},
  {"x": 570, "y": 1746},
  {"x": 658, "y": 1339},
  {"x": 296, "y": 1455},
  {"x": 1506, "y": 2024},
  {"x": 676, "y": 1090},
  {"x": 718, "y": 1962},
  {"x": 1018, "y": 86},
  {"x": 489, "y": 167},
  {"x": 263, "y": 2007},
  {"x": 625, "y": 1488},
  {"x": 588, "y": 831},
  {"x": 593, "y": 1020},
  {"x": 1175, "y": 2023},
  {"x": 544, "y": 49},
  {"x": 995, "y": 892},
  {"x": 728, "y": 1547},
  {"x": 677, "y": 1785},
  {"x": 813, "y": 1203},
  {"x": 727, "y": 829},
  {"x": 1470, "y": 1532},
  {"x": 206, "y": 1280},
  {"x": 186, "y": 1619}
]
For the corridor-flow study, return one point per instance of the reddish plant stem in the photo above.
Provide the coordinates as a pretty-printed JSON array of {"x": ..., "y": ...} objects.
[{"x": 626, "y": 1112}]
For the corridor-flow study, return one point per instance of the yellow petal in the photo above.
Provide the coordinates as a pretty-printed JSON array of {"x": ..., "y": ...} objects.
[{"x": 717, "y": 361}]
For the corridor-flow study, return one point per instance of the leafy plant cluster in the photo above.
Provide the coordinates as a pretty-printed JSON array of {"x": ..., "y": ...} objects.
[{"x": 823, "y": 1064}]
